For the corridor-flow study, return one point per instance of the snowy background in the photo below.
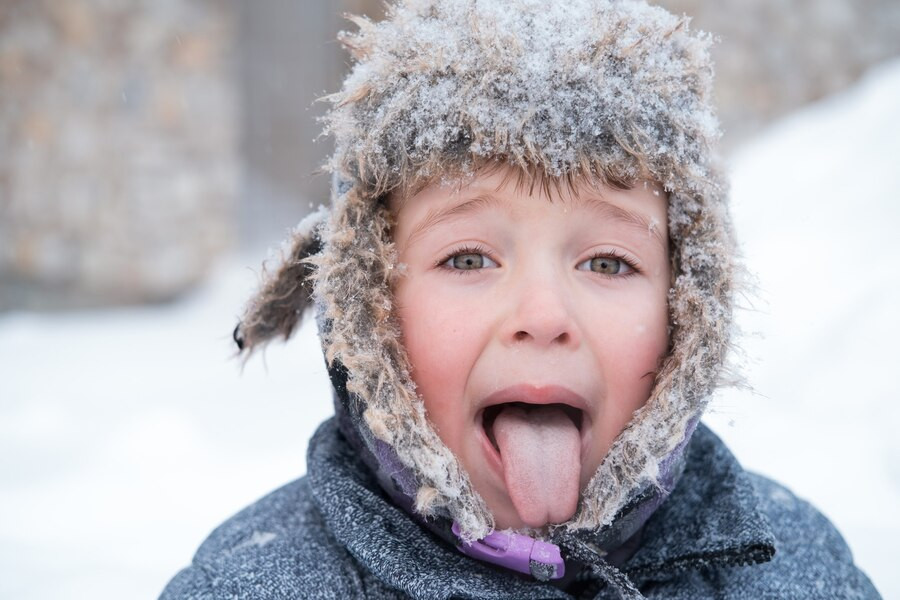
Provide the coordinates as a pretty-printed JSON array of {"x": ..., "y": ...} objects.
[{"x": 126, "y": 435}]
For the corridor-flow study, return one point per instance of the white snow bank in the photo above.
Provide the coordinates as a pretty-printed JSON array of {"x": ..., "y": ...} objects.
[
  {"x": 127, "y": 435},
  {"x": 816, "y": 201}
]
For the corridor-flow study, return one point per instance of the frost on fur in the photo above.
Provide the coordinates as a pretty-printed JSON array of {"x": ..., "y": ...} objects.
[
  {"x": 286, "y": 292},
  {"x": 557, "y": 85}
]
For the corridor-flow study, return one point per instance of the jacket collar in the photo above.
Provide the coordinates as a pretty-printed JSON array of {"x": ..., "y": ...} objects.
[
  {"x": 388, "y": 543},
  {"x": 711, "y": 519}
]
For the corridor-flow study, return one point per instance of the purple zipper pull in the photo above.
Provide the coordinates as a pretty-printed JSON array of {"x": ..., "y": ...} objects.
[{"x": 541, "y": 560}]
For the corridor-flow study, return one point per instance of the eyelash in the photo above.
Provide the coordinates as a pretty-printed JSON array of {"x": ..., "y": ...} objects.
[{"x": 477, "y": 249}]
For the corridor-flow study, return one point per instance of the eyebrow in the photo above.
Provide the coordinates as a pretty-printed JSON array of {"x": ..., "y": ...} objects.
[
  {"x": 617, "y": 213},
  {"x": 436, "y": 217},
  {"x": 483, "y": 201}
]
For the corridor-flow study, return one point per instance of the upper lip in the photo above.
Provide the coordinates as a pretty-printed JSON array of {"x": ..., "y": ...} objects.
[{"x": 536, "y": 394}]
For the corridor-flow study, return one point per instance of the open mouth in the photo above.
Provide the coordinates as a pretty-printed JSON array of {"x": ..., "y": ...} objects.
[
  {"x": 489, "y": 416},
  {"x": 534, "y": 440}
]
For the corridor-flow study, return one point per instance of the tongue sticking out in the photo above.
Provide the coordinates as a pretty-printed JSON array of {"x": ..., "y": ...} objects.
[{"x": 540, "y": 448}]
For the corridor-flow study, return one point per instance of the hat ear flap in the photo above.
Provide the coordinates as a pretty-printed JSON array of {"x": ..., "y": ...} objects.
[{"x": 285, "y": 293}]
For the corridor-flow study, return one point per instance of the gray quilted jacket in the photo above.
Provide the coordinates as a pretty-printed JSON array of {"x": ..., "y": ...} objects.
[{"x": 723, "y": 533}]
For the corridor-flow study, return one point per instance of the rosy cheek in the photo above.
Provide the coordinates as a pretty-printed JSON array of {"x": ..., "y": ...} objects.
[
  {"x": 645, "y": 320},
  {"x": 435, "y": 337},
  {"x": 650, "y": 342},
  {"x": 426, "y": 339},
  {"x": 631, "y": 345}
]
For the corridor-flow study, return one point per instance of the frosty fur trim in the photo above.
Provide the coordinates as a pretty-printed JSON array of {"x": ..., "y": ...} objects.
[
  {"x": 607, "y": 89},
  {"x": 286, "y": 293}
]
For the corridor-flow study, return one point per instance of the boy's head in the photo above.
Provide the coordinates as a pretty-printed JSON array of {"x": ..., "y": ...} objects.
[{"x": 525, "y": 211}]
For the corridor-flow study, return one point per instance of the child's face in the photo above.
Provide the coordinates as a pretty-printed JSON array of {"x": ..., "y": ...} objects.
[{"x": 510, "y": 297}]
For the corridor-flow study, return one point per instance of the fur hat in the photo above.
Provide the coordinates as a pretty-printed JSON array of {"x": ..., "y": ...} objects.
[{"x": 610, "y": 89}]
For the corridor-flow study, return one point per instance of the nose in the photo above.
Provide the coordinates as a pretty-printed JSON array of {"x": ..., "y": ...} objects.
[{"x": 540, "y": 312}]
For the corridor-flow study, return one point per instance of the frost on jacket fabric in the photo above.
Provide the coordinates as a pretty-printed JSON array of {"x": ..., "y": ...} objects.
[{"x": 723, "y": 533}]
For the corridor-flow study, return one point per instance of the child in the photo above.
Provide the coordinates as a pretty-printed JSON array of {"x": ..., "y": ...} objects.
[{"x": 524, "y": 291}]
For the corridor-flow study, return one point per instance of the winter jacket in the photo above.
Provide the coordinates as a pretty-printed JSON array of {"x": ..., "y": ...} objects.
[{"x": 723, "y": 533}]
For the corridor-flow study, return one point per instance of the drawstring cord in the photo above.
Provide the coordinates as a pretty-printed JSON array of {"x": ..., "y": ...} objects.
[{"x": 595, "y": 561}]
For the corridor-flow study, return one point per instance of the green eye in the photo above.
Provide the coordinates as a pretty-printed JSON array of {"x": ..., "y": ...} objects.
[
  {"x": 606, "y": 265},
  {"x": 467, "y": 261}
]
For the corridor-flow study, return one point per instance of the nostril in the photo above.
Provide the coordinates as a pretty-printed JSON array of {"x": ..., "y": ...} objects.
[{"x": 562, "y": 338}]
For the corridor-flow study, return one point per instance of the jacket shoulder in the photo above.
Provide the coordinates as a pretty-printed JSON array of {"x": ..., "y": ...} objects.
[
  {"x": 278, "y": 547},
  {"x": 731, "y": 534},
  {"x": 811, "y": 560}
]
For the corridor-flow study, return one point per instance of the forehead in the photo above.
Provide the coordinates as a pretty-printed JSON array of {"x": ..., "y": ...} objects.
[{"x": 642, "y": 206}]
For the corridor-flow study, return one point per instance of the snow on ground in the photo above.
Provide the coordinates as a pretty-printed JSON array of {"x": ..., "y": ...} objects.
[
  {"x": 127, "y": 435},
  {"x": 816, "y": 202}
]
